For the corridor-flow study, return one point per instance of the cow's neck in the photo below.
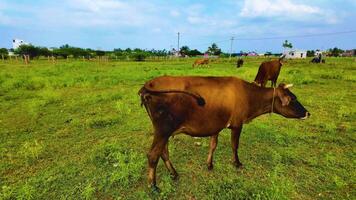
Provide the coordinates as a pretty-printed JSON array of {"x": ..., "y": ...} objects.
[{"x": 260, "y": 102}]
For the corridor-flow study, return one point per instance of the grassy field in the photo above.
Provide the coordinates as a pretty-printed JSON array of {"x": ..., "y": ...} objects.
[{"x": 75, "y": 130}]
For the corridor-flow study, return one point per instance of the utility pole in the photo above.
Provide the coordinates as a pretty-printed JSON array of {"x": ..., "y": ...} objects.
[
  {"x": 178, "y": 43},
  {"x": 232, "y": 39}
]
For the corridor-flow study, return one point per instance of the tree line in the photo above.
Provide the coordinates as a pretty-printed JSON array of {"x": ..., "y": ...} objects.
[{"x": 136, "y": 54}]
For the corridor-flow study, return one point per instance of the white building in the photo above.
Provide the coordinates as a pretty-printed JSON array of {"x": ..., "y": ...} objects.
[
  {"x": 293, "y": 54},
  {"x": 17, "y": 42}
]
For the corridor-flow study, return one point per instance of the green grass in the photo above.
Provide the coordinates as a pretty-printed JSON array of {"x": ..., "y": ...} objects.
[{"x": 75, "y": 130}]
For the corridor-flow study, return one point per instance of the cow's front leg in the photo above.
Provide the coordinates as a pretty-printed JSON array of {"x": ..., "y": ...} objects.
[
  {"x": 235, "y": 138},
  {"x": 213, "y": 144}
]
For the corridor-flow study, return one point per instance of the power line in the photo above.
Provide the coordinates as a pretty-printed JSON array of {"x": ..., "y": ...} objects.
[
  {"x": 299, "y": 36},
  {"x": 209, "y": 43},
  {"x": 270, "y": 38}
]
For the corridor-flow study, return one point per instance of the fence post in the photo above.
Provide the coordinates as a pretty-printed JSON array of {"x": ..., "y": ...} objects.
[{"x": 25, "y": 59}]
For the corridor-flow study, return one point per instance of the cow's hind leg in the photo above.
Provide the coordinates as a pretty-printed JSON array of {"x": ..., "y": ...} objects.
[
  {"x": 235, "y": 138},
  {"x": 213, "y": 144},
  {"x": 158, "y": 145},
  {"x": 167, "y": 162}
]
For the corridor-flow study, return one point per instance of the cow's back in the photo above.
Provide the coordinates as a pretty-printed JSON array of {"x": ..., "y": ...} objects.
[
  {"x": 274, "y": 68},
  {"x": 268, "y": 71}
]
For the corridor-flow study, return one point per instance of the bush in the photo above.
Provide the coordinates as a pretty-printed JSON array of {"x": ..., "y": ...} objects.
[
  {"x": 3, "y": 52},
  {"x": 141, "y": 56}
]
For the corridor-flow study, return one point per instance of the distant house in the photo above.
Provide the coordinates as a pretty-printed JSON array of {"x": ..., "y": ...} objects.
[
  {"x": 252, "y": 53},
  {"x": 294, "y": 54},
  {"x": 175, "y": 53},
  {"x": 17, "y": 42}
]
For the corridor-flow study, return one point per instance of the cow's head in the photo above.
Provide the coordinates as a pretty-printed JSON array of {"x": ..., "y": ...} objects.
[
  {"x": 281, "y": 60},
  {"x": 287, "y": 105}
]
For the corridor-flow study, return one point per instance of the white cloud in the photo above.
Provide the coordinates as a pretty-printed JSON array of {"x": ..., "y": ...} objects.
[
  {"x": 273, "y": 8},
  {"x": 174, "y": 13},
  {"x": 107, "y": 13},
  {"x": 99, "y": 5},
  {"x": 81, "y": 13}
]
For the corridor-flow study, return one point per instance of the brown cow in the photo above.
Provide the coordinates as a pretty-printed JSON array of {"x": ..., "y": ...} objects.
[
  {"x": 203, "y": 106},
  {"x": 268, "y": 70},
  {"x": 203, "y": 61}
]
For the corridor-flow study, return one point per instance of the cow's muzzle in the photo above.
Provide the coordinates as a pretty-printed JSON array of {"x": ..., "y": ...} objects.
[{"x": 307, "y": 114}]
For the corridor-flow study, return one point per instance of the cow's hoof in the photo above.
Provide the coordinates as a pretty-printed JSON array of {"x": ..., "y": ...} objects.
[
  {"x": 155, "y": 189},
  {"x": 238, "y": 165},
  {"x": 210, "y": 167},
  {"x": 175, "y": 176}
]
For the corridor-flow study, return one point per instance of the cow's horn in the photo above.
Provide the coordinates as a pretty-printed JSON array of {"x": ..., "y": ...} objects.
[{"x": 288, "y": 86}]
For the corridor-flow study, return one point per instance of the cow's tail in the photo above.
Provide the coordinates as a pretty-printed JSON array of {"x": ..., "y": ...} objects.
[{"x": 145, "y": 91}]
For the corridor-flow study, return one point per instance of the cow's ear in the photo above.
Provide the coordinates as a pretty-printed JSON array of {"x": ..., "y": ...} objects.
[{"x": 285, "y": 99}]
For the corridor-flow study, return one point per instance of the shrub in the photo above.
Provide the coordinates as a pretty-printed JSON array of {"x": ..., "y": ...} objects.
[{"x": 140, "y": 56}]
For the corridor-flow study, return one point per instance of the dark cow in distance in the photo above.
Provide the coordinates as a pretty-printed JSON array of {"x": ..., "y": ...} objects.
[
  {"x": 239, "y": 63},
  {"x": 203, "y": 61},
  {"x": 269, "y": 70},
  {"x": 203, "y": 106}
]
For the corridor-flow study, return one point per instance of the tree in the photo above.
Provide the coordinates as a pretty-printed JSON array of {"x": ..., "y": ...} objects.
[
  {"x": 310, "y": 53},
  {"x": 184, "y": 50},
  {"x": 335, "y": 51},
  {"x": 3, "y": 52},
  {"x": 139, "y": 56},
  {"x": 100, "y": 53},
  {"x": 268, "y": 53},
  {"x": 29, "y": 50},
  {"x": 214, "y": 50},
  {"x": 194, "y": 52},
  {"x": 43, "y": 51},
  {"x": 287, "y": 44}
]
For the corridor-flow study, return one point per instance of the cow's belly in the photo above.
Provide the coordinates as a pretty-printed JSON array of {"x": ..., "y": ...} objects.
[{"x": 203, "y": 124}]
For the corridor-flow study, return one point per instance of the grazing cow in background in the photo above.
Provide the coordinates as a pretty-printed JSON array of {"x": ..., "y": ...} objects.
[
  {"x": 318, "y": 59},
  {"x": 269, "y": 70},
  {"x": 239, "y": 63},
  {"x": 203, "y": 106},
  {"x": 203, "y": 61}
]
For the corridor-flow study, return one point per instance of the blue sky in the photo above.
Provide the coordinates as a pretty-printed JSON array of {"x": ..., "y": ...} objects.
[{"x": 108, "y": 24}]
